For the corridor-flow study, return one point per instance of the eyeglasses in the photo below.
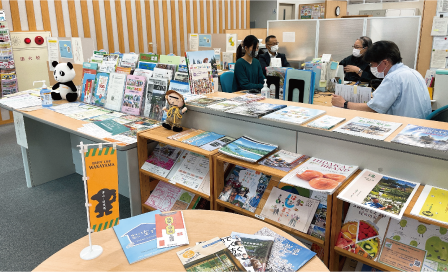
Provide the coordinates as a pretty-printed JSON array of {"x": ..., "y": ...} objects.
[
  {"x": 356, "y": 47},
  {"x": 272, "y": 44}
]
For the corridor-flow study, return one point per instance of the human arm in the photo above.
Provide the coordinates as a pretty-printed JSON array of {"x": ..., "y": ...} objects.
[{"x": 338, "y": 101}]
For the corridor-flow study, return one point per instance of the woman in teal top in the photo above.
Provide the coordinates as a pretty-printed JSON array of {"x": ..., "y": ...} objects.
[{"x": 247, "y": 74}]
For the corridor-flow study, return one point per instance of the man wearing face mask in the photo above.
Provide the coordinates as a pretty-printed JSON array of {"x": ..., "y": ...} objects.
[
  {"x": 247, "y": 72},
  {"x": 403, "y": 91},
  {"x": 355, "y": 68},
  {"x": 272, "y": 46}
]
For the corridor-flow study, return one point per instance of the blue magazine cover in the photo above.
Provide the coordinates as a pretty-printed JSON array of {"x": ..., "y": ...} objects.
[
  {"x": 137, "y": 237},
  {"x": 146, "y": 65},
  {"x": 205, "y": 138},
  {"x": 247, "y": 149},
  {"x": 426, "y": 137},
  {"x": 286, "y": 256},
  {"x": 88, "y": 86},
  {"x": 102, "y": 81},
  {"x": 180, "y": 87},
  {"x": 294, "y": 115}
]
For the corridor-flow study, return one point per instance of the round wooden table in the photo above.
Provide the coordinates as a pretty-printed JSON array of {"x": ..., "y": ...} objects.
[{"x": 201, "y": 225}]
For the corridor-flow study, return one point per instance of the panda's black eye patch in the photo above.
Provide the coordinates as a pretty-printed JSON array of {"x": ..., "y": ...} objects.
[{"x": 62, "y": 73}]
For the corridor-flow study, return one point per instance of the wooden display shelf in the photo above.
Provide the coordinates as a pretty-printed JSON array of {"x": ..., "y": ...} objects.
[
  {"x": 160, "y": 134},
  {"x": 277, "y": 175},
  {"x": 356, "y": 257}
]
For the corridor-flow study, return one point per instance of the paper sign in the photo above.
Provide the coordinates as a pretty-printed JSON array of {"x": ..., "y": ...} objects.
[
  {"x": 438, "y": 59},
  {"x": 289, "y": 37},
  {"x": 53, "y": 51},
  {"x": 439, "y": 26},
  {"x": 231, "y": 43},
  {"x": 194, "y": 42},
  {"x": 205, "y": 40},
  {"x": 102, "y": 187},
  {"x": 440, "y": 43},
  {"x": 401, "y": 256},
  {"x": 276, "y": 62},
  {"x": 19, "y": 125},
  {"x": 217, "y": 51},
  {"x": 65, "y": 48},
  {"x": 78, "y": 56}
]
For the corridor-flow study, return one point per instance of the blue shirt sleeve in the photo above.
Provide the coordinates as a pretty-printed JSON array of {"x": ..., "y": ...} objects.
[{"x": 385, "y": 96}]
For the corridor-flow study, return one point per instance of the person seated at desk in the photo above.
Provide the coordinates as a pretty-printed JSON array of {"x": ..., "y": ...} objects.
[
  {"x": 355, "y": 68},
  {"x": 272, "y": 46},
  {"x": 403, "y": 91},
  {"x": 247, "y": 72}
]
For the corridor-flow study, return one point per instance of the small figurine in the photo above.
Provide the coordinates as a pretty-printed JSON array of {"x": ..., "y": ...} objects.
[{"x": 175, "y": 108}]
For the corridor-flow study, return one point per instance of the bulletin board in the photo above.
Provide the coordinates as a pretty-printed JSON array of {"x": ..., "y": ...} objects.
[{"x": 312, "y": 11}]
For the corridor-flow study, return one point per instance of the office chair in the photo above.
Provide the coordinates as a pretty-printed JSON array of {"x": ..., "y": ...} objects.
[
  {"x": 226, "y": 80},
  {"x": 440, "y": 114}
]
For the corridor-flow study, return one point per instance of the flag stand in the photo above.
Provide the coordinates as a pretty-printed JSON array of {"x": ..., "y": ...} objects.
[{"x": 92, "y": 251}]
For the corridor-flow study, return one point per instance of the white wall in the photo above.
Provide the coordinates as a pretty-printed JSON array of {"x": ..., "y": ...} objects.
[{"x": 354, "y": 9}]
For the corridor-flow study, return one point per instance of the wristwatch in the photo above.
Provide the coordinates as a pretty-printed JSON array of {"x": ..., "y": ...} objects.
[
  {"x": 345, "y": 104},
  {"x": 360, "y": 71}
]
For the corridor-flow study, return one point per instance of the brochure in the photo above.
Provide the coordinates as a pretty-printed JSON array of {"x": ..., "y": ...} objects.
[
  {"x": 171, "y": 230},
  {"x": 167, "y": 197},
  {"x": 258, "y": 248},
  {"x": 180, "y": 87},
  {"x": 204, "y": 138},
  {"x": 205, "y": 101},
  {"x": 88, "y": 87},
  {"x": 111, "y": 126},
  {"x": 255, "y": 109},
  {"x": 319, "y": 175},
  {"x": 248, "y": 149},
  {"x": 248, "y": 98},
  {"x": 115, "y": 91},
  {"x": 386, "y": 195},
  {"x": 236, "y": 247},
  {"x": 423, "y": 137},
  {"x": 218, "y": 143},
  {"x": 432, "y": 204},
  {"x": 162, "y": 159},
  {"x": 133, "y": 95},
  {"x": 403, "y": 257},
  {"x": 284, "y": 160},
  {"x": 368, "y": 128},
  {"x": 192, "y": 171},
  {"x": 326, "y": 122},
  {"x": 224, "y": 105},
  {"x": 294, "y": 115}
]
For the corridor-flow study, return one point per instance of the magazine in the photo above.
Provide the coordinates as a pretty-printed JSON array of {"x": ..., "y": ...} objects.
[
  {"x": 383, "y": 194},
  {"x": 181, "y": 76},
  {"x": 368, "y": 128},
  {"x": 170, "y": 67},
  {"x": 432, "y": 204},
  {"x": 115, "y": 91},
  {"x": 320, "y": 175},
  {"x": 192, "y": 171},
  {"x": 286, "y": 256},
  {"x": 88, "y": 87},
  {"x": 326, "y": 122},
  {"x": 227, "y": 57},
  {"x": 256, "y": 109},
  {"x": 289, "y": 209},
  {"x": 148, "y": 97},
  {"x": 203, "y": 138},
  {"x": 146, "y": 65},
  {"x": 162, "y": 159},
  {"x": 171, "y": 230},
  {"x": 423, "y": 137},
  {"x": 248, "y": 149},
  {"x": 167, "y": 197},
  {"x": 133, "y": 95},
  {"x": 212, "y": 254},
  {"x": 244, "y": 188},
  {"x": 218, "y": 143},
  {"x": 162, "y": 73},
  {"x": 137, "y": 237},
  {"x": 236, "y": 247},
  {"x": 157, "y": 104},
  {"x": 284, "y": 160},
  {"x": 294, "y": 115},
  {"x": 143, "y": 72},
  {"x": 189, "y": 135},
  {"x": 224, "y": 105},
  {"x": 201, "y": 80},
  {"x": 257, "y": 247},
  {"x": 180, "y": 87},
  {"x": 248, "y": 98},
  {"x": 99, "y": 98},
  {"x": 205, "y": 101}
]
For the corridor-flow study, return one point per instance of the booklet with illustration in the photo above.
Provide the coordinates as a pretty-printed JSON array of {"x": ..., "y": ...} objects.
[
  {"x": 171, "y": 230},
  {"x": 326, "y": 122},
  {"x": 320, "y": 175},
  {"x": 423, "y": 137},
  {"x": 192, "y": 171},
  {"x": 368, "y": 128},
  {"x": 115, "y": 91},
  {"x": 88, "y": 88},
  {"x": 167, "y": 197},
  {"x": 244, "y": 188},
  {"x": 259, "y": 248},
  {"x": 211, "y": 255},
  {"x": 386, "y": 195},
  {"x": 247, "y": 149},
  {"x": 289, "y": 209},
  {"x": 133, "y": 95},
  {"x": 432, "y": 204},
  {"x": 286, "y": 256},
  {"x": 255, "y": 109},
  {"x": 162, "y": 159},
  {"x": 137, "y": 237},
  {"x": 284, "y": 160},
  {"x": 294, "y": 115}
]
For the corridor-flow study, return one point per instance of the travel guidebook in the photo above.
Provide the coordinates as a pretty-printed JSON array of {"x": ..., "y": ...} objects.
[
  {"x": 171, "y": 230},
  {"x": 286, "y": 256},
  {"x": 167, "y": 197},
  {"x": 133, "y": 95},
  {"x": 294, "y": 115},
  {"x": 88, "y": 87},
  {"x": 289, "y": 209},
  {"x": 368, "y": 128},
  {"x": 244, "y": 188},
  {"x": 326, "y": 122},
  {"x": 247, "y": 149},
  {"x": 255, "y": 109},
  {"x": 205, "y": 101},
  {"x": 211, "y": 255},
  {"x": 137, "y": 237},
  {"x": 320, "y": 175},
  {"x": 162, "y": 159},
  {"x": 257, "y": 247},
  {"x": 284, "y": 160},
  {"x": 218, "y": 143},
  {"x": 386, "y": 195},
  {"x": 363, "y": 231},
  {"x": 115, "y": 91},
  {"x": 236, "y": 247},
  {"x": 423, "y": 137},
  {"x": 432, "y": 204}
]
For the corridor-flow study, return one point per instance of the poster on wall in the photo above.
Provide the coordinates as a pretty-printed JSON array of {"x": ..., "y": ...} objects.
[
  {"x": 65, "y": 49},
  {"x": 231, "y": 43},
  {"x": 78, "y": 56},
  {"x": 305, "y": 12},
  {"x": 102, "y": 187},
  {"x": 194, "y": 42},
  {"x": 53, "y": 51},
  {"x": 205, "y": 40}
]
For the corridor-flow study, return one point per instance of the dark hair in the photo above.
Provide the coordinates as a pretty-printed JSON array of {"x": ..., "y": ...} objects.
[
  {"x": 269, "y": 37},
  {"x": 366, "y": 41},
  {"x": 249, "y": 41},
  {"x": 383, "y": 50}
]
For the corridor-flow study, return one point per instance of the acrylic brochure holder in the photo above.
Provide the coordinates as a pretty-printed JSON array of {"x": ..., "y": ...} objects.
[
  {"x": 92, "y": 251},
  {"x": 298, "y": 86}
]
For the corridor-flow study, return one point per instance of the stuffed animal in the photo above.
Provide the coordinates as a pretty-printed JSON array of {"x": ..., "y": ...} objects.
[
  {"x": 65, "y": 88},
  {"x": 175, "y": 108}
]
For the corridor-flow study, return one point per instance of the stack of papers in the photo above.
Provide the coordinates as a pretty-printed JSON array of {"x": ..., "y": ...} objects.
[
  {"x": 21, "y": 101},
  {"x": 354, "y": 93}
]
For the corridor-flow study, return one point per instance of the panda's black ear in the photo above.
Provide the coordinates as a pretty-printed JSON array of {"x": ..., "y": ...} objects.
[
  {"x": 70, "y": 65},
  {"x": 54, "y": 63}
]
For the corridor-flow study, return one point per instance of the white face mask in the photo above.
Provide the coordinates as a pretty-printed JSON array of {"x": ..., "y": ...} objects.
[
  {"x": 356, "y": 53},
  {"x": 254, "y": 54},
  {"x": 274, "y": 48},
  {"x": 375, "y": 72}
]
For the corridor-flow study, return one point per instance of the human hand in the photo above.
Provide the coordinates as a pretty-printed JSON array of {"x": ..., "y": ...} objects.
[
  {"x": 351, "y": 69},
  {"x": 337, "y": 101}
]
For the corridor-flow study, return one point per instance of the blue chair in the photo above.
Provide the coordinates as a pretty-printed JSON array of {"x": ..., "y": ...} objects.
[
  {"x": 440, "y": 114},
  {"x": 226, "y": 80}
]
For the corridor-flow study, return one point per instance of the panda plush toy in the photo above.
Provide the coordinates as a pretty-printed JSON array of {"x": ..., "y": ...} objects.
[{"x": 65, "y": 88}]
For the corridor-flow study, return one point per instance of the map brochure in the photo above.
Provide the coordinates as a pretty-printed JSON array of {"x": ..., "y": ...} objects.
[
  {"x": 432, "y": 204},
  {"x": 319, "y": 175},
  {"x": 386, "y": 195},
  {"x": 368, "y": 128}
]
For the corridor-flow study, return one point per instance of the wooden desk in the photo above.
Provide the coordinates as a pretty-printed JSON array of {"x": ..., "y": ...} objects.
[
  {"x": 323, "y": 99},
  {"x": 201, "y": 226}
]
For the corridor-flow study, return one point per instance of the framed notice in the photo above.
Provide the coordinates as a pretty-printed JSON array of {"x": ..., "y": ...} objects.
[
  {"x": 312, "y": 11},
  {"x": 402, "y": 257}
]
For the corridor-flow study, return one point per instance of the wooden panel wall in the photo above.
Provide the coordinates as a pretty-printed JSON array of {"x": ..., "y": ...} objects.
[
  {"x": 137, "y": 26},
  {"x": 425, "y": 45}
]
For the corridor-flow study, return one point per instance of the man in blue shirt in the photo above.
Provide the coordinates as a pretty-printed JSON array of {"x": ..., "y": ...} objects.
[
  {"x": 403, "y": 91},
  {"x": 375, "y": 203}
]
